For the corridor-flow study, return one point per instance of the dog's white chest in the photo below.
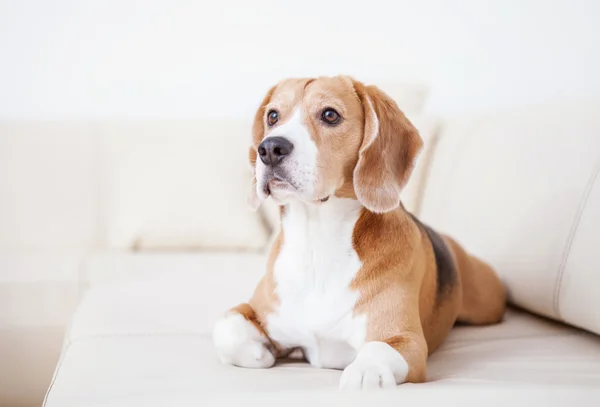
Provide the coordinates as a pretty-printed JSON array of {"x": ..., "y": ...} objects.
[{"x": 313, "y": 273}]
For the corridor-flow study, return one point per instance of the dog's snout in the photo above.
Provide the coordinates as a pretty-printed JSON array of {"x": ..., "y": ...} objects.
[{"x": 274, "y": 149}]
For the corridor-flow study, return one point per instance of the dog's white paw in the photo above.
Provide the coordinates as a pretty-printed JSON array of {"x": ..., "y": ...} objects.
[
  {"x": 377, "y": 366},
  {"x": 239, "y": 343}
]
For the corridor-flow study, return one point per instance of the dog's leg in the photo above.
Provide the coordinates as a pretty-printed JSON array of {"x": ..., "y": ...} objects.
[
  {"x": 483, "y": 294},
  {"x": 241, "y": 341}
]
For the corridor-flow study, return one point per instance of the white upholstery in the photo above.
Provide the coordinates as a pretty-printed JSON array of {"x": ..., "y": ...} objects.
[
  {"x": 144, "y": 185},
  {"x": 142, "y": 334},
  {"x": 178, "y": 185},
  {"x": 521, "y": 190},
  {"x": 39, "y": 291},
  {"x": 429, "y": 130},
  {"x": 577, "y": 296},
  {"x": 48, "y": 186}
]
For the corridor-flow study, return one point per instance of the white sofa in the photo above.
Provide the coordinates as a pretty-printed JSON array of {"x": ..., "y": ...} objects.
[{"x": 138, "y": 235}]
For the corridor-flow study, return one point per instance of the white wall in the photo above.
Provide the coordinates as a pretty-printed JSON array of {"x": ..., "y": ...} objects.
[{"x": 177, "y": 58}]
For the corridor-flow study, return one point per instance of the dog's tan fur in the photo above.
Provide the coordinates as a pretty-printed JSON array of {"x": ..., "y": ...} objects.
[{"x": 369, "y": 157}]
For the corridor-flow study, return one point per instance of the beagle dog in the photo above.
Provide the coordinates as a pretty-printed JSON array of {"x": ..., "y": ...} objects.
[{"x": 353, "y": 281}]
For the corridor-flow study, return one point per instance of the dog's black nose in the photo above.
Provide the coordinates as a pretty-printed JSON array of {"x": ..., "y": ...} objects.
[{"x": 274, "y": 149}]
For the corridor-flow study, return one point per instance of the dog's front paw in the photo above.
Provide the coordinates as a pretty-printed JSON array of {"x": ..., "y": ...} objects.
[
  {"x": 357, "y": 376},
  {"x": 377, "y": 366},
  {"x": 239, "y": 343}
]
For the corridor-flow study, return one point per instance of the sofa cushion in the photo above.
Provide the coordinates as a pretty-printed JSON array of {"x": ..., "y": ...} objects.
[
  {"x": 412, "y": 194},
  {"x": 142, "y": 335},
  {"x": 521, "y": 190},
  {"x": 179, "y": 185},
  {"x": 48, "y": 185}
]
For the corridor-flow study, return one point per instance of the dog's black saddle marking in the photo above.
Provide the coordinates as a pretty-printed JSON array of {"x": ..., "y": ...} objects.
[{"x": 446, "y": 269}]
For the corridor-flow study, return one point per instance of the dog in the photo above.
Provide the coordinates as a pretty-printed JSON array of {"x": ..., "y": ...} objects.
[{"x": 353, "y": 281}]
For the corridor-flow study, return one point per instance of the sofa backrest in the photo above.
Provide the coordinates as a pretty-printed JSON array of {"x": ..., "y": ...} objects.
[
  {"x": 521, "y": 190},
  {"x": 49, "y": 196},
  {"x": 127, "y": 185}
]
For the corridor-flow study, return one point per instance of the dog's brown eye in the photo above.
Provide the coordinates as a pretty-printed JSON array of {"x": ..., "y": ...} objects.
[
  {"x": 330, "y": 116},
  {"x": 272, "y": 117}
]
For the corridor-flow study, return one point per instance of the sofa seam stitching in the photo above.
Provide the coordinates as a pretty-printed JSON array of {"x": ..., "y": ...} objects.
[{"x": 571, "y": 238}]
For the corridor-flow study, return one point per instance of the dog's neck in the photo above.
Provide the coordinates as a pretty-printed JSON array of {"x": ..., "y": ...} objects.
[
  {"x": 334, "y": 218},
  {"x": 317, "y": 251}
]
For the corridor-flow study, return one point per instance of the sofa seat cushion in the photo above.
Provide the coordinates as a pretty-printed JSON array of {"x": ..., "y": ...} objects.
[{"x": 144, "y": 338}]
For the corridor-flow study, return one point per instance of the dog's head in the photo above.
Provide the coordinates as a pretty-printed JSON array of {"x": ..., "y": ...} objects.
[{"x": 313, "y": 138}]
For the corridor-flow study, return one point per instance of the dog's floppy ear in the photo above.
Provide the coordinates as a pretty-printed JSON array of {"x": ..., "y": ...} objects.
[
  {"x": 258, "y": 132},
  {"x": 389, "y": 148}
]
